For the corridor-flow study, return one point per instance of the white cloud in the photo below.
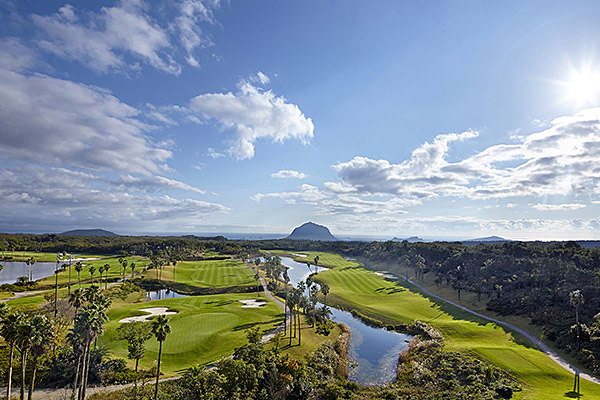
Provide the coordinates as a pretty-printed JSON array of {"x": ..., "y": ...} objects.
[
  {"x": 191, "y": 35},
  {"x": 73, "y": 124},
  {"x": 212, "y": 153},
  {"x": 562, "y": 159},
  {"x": 106, "y": 40},
  {"x": 559, "y": 207},
  {"x": 44, "y": 197},
  {"x": 254, "y": 114},
  {"x": 286, "y": 173}
]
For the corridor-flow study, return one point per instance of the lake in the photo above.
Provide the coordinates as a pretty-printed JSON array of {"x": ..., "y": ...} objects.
[{"x": 14, "y": 269}]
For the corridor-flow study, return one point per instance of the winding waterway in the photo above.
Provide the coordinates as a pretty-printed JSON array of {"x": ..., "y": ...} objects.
[{"x": 373, "y": 350}]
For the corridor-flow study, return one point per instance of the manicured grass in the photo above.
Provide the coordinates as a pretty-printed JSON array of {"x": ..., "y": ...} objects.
[
  {"x": 45, "y": 257},
  {"x": 115, "y": 271},
  {"x": 325, "y": 259},
  {"x": 355, "y": 287},
  {"x": 205, "y": 329},
  {"x": 207, "y": 273}
]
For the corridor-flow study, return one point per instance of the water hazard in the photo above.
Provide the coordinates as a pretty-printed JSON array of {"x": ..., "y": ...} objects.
[
  {"x": 14, "y": 269},
  {"x": 374, "y": 350}
]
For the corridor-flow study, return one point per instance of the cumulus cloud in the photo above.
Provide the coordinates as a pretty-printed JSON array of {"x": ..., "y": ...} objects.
[
  {"x": 562, "y": 159},
  {"x": 286, "y": 173},
  {"x": 254, "y": 114}
]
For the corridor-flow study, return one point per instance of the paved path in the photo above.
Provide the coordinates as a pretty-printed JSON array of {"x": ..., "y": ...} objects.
[
  {"x": 280, "y": 303},
  {"x": 540, "y": 345}
]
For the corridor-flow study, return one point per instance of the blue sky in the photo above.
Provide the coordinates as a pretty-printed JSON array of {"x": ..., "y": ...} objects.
[{"x": 391, "y": 118}]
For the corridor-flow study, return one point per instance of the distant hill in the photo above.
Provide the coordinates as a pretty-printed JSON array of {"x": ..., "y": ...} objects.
[
  {"x": 312, "y": 231},
  {"x": 88, "y": 232},
  {"x": 412, "y": 239},
  {"x": 489, "y": 239}
]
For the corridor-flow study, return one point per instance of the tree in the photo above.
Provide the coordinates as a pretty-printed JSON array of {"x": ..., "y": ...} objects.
[
  {"x": 576, "y": 299},
  {"x": 136, "y": 334},
  {"x": 124, "y": 264},
  {"x": 257, "y": 278},
  {"x": 132, "y": 266},
  {"x": 92, "y": 270},
  {"x": 286, "y": 279},
  {"x": 23, "y": 343},
  {"x": 160, "y": 329},
  {"x": 325, "y": 291},
  {"x": 41, "y": 336},
  {"x": 10, "y": 333},
  {"x": 316, "y": 262},
  {"x": 79, "y": 268},
  {"x": 90, "y": 324},
  {"x": 76, "y": 299}
]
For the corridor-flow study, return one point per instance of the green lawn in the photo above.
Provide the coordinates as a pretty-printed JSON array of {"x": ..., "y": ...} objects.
[
  {"x": 45, "y": 257},
  {"x": 207, "y": 273},
  {"x": 205, "y": 329},
  {"x": 397, "y": 302},
  {"x": 115, "y": 271}
]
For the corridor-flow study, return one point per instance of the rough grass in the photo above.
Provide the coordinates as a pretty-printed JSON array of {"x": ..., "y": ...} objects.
[
  {"x": 205, "y": 329},
  {"x": 399, "y": 302}
]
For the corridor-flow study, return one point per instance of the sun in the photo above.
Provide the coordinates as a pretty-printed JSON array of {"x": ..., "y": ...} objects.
[{"x": 583, "y": 86}]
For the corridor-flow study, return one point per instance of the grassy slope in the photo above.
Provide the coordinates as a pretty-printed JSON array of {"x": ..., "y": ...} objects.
[
  {"x": 115, "y": 271},
  {"x": 205, "y": 329},
  {"x": 45, "y": 257},
  {"x": 356, "y": 287}
]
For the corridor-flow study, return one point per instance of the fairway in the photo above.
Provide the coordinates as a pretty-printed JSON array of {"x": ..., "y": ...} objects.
[
  {"x": 205, "y": 329},
  {"x": 355, "y": 287},
  {"x": 114, "y": 272},
  {"x": 208, "y": 273}
]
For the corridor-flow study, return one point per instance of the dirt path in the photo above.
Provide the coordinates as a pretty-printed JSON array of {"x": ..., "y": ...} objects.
[{"x": 537, "y": 342}]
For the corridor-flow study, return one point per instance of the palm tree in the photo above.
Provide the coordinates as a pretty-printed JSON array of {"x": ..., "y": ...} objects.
[
  {"x": 160, "y": 329},
  {"x": 286, "y": 279},
  {"x": 70, "y": 261},
  {"x": 23, "y": 343},
  {"x": 92, "y": 272},
  {"x": 325, "y": 291},
  {"x": 106, "y": 268},
  {"x": 79, "y": 268},
  {"x": 76, "y": 299},
  {"x": 576, "y": 299},
  {"x": 10, "y": 333},
  {"x": 92, "y": 320},
  {"x": 124, "y": 264},
  {"x": 256, "y": 278},
  {"x": 316, "y": 262},
  {"x": 41, "y": 338},
  {"x": 132, "y": 266}
]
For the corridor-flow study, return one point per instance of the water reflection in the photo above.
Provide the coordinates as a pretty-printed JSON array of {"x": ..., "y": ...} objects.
[
  {"x": 14, "y": 269},
  {"x": 163, "y": 294}
]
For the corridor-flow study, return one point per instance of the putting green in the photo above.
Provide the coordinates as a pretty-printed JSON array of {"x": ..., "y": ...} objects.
[
  {"x": 204, "y": 329},
  {"x": 398, "y": 302}
]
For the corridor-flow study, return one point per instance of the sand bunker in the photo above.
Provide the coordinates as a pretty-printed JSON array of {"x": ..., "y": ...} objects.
[
  {"x": 154, "y": 311},
  {"x": 388, "y": 276},
  {"x": 252, "y": 303},
  {"x": 300, "y": 255}
]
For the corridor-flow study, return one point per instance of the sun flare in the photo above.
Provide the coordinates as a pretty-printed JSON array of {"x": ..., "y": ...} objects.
[{"x": 583, "y": 86}]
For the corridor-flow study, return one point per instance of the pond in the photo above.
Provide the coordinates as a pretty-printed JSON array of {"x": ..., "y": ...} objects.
[
  {"x": 14, "y": 269},
  {"x": 374, "y": 350},
  {"x": 163, "y": 294}
]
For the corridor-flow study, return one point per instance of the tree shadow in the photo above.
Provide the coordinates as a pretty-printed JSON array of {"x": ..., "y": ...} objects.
[{"x": 573, "y": 395}]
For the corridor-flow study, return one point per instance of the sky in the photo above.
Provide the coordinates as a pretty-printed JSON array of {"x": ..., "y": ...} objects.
[{"x": 446, "y": 119}]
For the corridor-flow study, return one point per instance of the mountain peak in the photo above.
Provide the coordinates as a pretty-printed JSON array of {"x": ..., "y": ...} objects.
[
  {"x": 311, "y": 231},
  {"x": 88, "y": 232}
]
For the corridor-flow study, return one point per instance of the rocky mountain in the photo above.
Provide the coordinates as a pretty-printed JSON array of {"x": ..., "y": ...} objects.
[
  {"x": 311, "y": 231},
  {"x": 88, "y": 232}
]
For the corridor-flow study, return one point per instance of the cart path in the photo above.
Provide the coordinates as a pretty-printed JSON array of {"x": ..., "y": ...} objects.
[{"x": 537, "y": 342}]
